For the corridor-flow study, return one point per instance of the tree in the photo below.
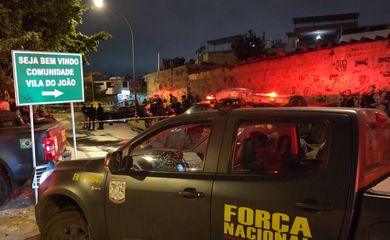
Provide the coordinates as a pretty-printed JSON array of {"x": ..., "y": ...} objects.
[
  {"x": 248, "y": 46},
  {"x": 42, "y": 25}
]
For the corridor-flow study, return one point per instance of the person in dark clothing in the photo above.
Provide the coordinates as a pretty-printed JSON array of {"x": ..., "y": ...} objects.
[
  {"x": 186, "y": 103},
  {"x": 197, "y": 98},
  {"x": 100, "y": 116},
  {"x": 171, "y": 98},
  {"x": 146, "y": 112},
  {"x": 154, "y": 108},
  {"x": 8, "y": 118},
  {"x": 91, "y": 117},
  {"x": 159, "y": 101},
  {"x": 164, "y": 110},
  {"x": 347, "y": 99},
  {"x": 84, "y": 110},
  {"x": 383, "y": 101},
  {"x": 190, "y": 97},
  {"x": 370, "y": 99},
  {"x": 12, "y": 105},
  {"x": 176, "y": 106},
  {"x": 387, "y": 102},
  {"x": 25, "y": 114}
]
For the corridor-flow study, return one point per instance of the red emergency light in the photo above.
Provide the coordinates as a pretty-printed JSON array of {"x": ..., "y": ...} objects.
[{"x": 210, "y": 97}]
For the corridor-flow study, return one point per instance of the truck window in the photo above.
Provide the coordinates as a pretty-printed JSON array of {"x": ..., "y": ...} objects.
[
  {"x": 178, "y": 149},
  {"x": 280, "y": 148}
]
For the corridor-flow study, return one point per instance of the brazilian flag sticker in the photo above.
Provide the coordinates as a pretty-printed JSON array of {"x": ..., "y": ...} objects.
[{"x": 25, "y": 143}]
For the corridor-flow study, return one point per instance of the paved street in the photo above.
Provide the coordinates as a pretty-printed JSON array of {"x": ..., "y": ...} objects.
[
  {"x": 95, "y": 143},
  {"x": 17, "y": 220}
]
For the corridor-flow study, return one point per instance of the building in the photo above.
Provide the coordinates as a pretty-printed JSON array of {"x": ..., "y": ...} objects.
[
  {"x": 112, "y": 90},
  {"x": 218, "y": 51},
  {"x": 371, "y": 32},
  {"x": 89, "y": 79},
  {"x": 310, "y": 32}
]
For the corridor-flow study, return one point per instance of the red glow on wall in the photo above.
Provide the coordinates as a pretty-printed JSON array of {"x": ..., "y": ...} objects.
[{"x": 325, "y": 72}]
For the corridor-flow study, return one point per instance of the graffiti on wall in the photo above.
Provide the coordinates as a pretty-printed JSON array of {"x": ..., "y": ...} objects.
[
  {"x": 386, "y": 74},
  {"x": 384, "y": 59},
  {"x": 361, "y": 62},
  {"x": 316, "y": 78},
  {"x": 348, "y": 68},
  {"x": 333, "y": 80},
  {"x": 341, "y": 65}
]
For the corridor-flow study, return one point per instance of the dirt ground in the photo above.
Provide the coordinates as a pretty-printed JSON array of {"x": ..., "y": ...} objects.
[{"x": 17, "y": 216}]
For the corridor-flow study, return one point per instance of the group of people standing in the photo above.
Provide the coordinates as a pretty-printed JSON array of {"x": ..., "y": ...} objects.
[
  {"x": 371, "y": 99},
  {"x": 91, "y": 114},
  {"x": 12, "y": 115},
  {"x": 159, "y": 107}
]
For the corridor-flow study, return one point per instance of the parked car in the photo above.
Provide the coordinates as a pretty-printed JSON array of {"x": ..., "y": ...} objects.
[
  {"x": 120, "y": 112},
  {"x": 200, "y": 106},
  {"x": 259, "y": 173},
  {"x": 246, "y": 98},
  {"x": 16, "y": 164},
  {"x": 123, "y": 110}
]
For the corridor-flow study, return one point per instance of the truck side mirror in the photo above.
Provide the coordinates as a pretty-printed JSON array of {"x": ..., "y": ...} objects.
[
  {"x": 127, "y": 163},
  {"x": 114, "y": 161}
]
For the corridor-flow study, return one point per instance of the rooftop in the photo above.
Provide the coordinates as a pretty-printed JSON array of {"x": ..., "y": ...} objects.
[{"x": 327, "y": 18}]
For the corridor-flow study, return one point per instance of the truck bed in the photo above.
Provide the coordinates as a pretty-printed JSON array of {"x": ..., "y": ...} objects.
[{"x": 15, "y": 149}]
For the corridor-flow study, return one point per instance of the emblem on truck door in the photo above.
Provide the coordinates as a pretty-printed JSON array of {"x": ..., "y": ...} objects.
[{"x": 117, "y": 191}]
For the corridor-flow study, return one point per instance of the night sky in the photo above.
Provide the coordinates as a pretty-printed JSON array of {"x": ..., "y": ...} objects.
[{"x": 177, "y": 28}]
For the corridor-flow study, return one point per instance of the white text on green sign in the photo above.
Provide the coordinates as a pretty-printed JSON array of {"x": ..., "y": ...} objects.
[{"x": 42, "y": 77}]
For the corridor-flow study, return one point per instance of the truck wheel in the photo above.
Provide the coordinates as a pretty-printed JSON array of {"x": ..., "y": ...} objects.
[
  {"x": 5, "y": 188},
  {"x": 67, "y": 224}
]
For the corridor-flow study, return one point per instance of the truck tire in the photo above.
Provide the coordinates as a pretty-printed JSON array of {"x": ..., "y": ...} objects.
[
  {"x": 5, "y": 187},
  {"x": 68, "y": 224}
]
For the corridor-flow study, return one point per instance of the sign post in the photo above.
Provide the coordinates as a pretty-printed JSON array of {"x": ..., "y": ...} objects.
[{"x": 47, "y": 78}]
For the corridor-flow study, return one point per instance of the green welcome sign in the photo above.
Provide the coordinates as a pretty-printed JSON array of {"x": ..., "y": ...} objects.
[{"x": 47, "y": 77}]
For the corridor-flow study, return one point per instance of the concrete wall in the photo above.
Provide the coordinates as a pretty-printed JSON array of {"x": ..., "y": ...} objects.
[
  {"x": 321, "y": 72},
  {"x": 313, "y": 73},
  {"x": 168, "y": 81},
  {"x": 220, "y": 57}
]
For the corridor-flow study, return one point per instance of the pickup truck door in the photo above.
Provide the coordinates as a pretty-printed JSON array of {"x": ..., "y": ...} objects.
[
  {"x": 168, "y": 200},
  {"x": 303, "y": 197}
]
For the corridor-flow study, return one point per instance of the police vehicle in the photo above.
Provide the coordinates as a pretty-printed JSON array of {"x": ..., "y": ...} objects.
[{"x": 260, "y": 173}]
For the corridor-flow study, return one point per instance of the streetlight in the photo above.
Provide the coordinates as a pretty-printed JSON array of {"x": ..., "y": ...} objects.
[{"x": 99, "y": 4}]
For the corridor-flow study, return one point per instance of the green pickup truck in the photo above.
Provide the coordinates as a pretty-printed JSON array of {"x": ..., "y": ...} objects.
[{"x": 262, "y": 173}]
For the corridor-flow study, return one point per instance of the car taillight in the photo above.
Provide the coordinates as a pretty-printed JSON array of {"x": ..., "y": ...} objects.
[{"x": 49, "y": 150}]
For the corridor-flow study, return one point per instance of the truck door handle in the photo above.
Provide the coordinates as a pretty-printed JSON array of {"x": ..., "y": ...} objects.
[
  {"x": 313, "y": 206},
  {"x": 191, "y": 193}
]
